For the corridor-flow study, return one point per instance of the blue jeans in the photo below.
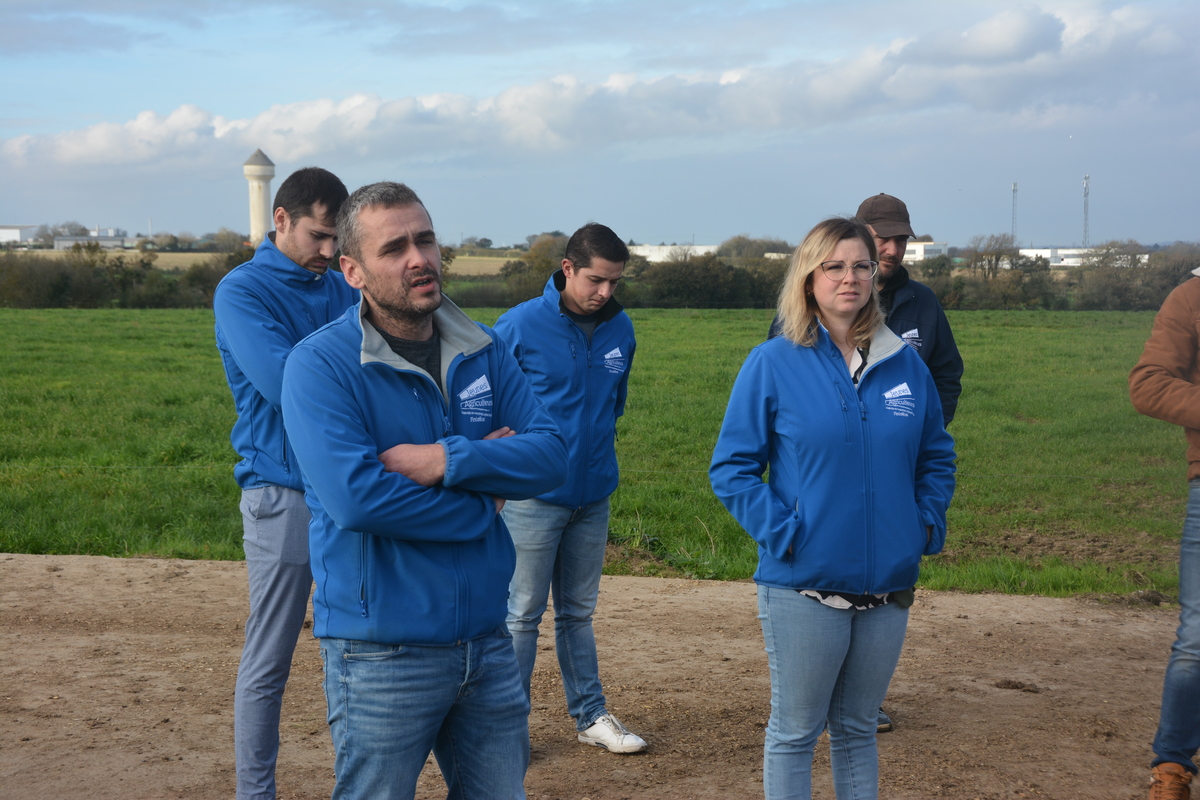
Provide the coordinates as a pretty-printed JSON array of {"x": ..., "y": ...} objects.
[
  {"x": 1178, "y": 736},
  {"x": 561, "y": 549},
  {"x": 275, "y": 538},
  {"x": 390, "y": 705},
  {"x": 832, "y": 667}
]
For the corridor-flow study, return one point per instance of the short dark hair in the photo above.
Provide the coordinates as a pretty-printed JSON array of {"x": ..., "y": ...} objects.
[
  {"x": 385, "y": 194},
  {"x": 306, "y": 187},
  {"x": 594, "y": 240}
]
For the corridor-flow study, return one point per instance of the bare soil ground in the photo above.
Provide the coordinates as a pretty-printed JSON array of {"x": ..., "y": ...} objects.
[{"x": 117, "y": 682}]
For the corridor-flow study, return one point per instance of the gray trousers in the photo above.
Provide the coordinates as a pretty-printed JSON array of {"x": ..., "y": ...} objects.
[{"x": 275, "y": 538}]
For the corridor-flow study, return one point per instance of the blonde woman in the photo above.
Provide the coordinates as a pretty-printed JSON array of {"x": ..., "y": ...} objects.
[{"x": 847, "y": 419}]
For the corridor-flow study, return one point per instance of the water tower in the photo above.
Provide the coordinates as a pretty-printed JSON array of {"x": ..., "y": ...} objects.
[{"x": 259, "y": 170}]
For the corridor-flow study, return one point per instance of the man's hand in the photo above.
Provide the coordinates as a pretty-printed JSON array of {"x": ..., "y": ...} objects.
[
  {"x": 421, "y": 463},
  {"x": 426, "y": 463}
]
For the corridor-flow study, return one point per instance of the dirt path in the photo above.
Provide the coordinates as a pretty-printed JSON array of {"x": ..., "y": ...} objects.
[{"x": 117, "y": 682}]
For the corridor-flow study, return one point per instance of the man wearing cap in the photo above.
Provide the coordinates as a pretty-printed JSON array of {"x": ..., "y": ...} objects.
[{"x": 912, "y": 309}]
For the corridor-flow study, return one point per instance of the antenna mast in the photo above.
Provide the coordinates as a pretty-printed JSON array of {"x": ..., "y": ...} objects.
[
  {"x": 1086, "y": 188},
  {"x": 1014, "y": 214}
]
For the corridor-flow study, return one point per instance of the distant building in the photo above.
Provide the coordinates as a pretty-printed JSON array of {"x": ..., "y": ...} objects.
[
  {"x": 107, "y": 242},
  {"x": 669, "y": 252},
  {"x": 919, "y": 251},
  {"x": 1058, "y": 256},
  {"x": 17, "y": 234},
  {"x": 1074, "y": 256}
]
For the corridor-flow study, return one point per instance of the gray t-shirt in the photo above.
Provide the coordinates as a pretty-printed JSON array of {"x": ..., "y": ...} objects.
[
  {"x": 427, "y": 354},
  {"x": 585, "y": 322}
]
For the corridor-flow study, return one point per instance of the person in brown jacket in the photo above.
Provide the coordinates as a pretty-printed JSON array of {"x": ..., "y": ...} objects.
[{"x": 1165, "y": 385}]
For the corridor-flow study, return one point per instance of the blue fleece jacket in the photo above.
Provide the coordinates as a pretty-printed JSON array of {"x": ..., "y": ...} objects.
[
  {"x": 393, "y": 561},
  {"x": 263, "y": 308},
  {"x": 582, "y": 383},
  {"x": 856, "y": 474},
  {"x": 917, "y": 317}
]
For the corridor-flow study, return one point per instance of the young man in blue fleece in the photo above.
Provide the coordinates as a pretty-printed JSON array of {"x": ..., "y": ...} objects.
[
  {"x": 413, "y": 427},
  {"x": 576, "y": 344},
  {"x": 262, "y": 309}
]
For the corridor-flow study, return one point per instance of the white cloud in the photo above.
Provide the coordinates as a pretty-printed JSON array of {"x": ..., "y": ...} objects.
[{"x": 1016, "y": 60}]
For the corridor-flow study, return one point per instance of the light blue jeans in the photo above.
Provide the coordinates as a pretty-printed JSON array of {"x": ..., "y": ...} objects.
[
  {"x": 1178, "y": 736},
  {"x": 275, "y": 538},
  {"x": 390, "y": 705},
  {"x": 832, "y": 667},
  {"x": 559, "y": 549}
]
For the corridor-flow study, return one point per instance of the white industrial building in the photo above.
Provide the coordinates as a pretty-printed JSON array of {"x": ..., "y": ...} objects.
[
  {"x": 671, "y": 252},
  {"x": 106, "y": 242},
  {"x": 919, "y": 251},
  {"x": 17, "y": 234},
  {"x": 1058, "y": 256}
]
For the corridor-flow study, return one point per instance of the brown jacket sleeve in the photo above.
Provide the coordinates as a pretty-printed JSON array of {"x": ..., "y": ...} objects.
[{"x": 1165, "y": 384}]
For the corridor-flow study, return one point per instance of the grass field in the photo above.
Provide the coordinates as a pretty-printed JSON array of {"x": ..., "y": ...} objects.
[
  {"x": 115, "y": 442},
  {"x": 476, "y": 265},
  {"x": 167, "y": 261}
]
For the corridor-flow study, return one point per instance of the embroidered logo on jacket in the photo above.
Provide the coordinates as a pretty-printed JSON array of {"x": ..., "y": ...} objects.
[
  {"x": 899, "y": 400},
  {"x": 912, "y": 338},
  {"x": 475, "y": 401},
  {"x": 614, "y": 361}
]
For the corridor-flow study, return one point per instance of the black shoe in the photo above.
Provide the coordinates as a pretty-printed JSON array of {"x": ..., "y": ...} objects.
[{"x": 884, "y": 724}]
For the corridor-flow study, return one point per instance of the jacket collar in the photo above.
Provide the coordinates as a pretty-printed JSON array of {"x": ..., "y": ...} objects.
[
  {"x": 884, "y": 345},
  {"x": 458, "y": 332},
  {"x": 271, "y": 260},
  {"x": 553, "y": 295}
]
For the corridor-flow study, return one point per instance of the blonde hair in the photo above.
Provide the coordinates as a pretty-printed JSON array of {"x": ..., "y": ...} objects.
[{"x": 798, "y": 310}]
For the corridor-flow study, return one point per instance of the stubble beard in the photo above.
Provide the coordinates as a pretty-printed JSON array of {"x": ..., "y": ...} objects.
[{"x": 397, "y": 306}]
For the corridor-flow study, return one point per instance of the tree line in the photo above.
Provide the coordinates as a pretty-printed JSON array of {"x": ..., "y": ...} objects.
[
  {"x": 223, "y": 240},
  {"x": 989, "y": 274},
  {"x": 88, "y": 276}
]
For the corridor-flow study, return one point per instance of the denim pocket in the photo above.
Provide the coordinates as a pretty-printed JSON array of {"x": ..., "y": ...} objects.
[{"x": 371, "y": 651}]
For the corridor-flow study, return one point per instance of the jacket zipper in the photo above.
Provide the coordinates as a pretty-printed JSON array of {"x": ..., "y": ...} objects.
[
  {"x": 868, "y": 505},
  {"x": 845, "y": 410},
  {"x": 461, "y": 589},
  {"x": 586, "y": 380},
  {"x": 362, "y": 565}
]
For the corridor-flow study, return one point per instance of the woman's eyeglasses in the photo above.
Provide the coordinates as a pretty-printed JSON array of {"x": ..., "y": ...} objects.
[{"x": 863, "y": 270}]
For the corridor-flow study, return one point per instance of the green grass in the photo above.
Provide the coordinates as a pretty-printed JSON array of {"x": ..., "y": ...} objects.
[
  {"x": 114, "y": 437},
  {"x": 115, "y": 441}
]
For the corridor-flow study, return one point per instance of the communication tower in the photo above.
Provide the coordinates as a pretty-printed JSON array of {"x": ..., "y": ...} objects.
[
  {"x": 1014, "y": 216},
  {"x": 1087, "y": 179}
]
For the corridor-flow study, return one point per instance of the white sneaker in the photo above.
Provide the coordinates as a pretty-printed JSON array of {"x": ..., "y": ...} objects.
[{"x": 609, "y": 733}]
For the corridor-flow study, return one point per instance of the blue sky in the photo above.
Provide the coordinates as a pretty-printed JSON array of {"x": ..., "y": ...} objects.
[{"x": 669, "y": 121}]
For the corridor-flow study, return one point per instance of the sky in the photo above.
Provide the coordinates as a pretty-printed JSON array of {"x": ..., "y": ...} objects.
[{"x": 669, "y": 121}]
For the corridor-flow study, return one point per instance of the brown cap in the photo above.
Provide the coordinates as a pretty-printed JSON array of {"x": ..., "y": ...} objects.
[{"x": 887, "y": 215}]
